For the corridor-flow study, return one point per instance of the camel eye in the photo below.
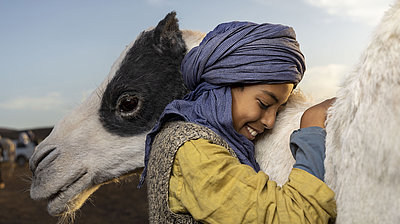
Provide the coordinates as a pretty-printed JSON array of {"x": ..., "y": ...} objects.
[{"x": 128, "y": 105}]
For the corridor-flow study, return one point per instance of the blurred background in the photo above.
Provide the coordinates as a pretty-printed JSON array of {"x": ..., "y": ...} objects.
[{"x": 53, "y": 54}]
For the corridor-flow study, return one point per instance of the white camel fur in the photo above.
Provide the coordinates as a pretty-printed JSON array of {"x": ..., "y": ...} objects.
[
  {"x": 362, "y": 145},
  {"x": 362, "y": 154}
]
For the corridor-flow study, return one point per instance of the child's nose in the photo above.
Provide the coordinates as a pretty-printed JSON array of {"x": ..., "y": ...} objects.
[{"x": 268, "y": 120}]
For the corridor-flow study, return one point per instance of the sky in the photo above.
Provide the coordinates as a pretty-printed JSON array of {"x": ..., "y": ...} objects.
[{"x": 54, "y": 53}]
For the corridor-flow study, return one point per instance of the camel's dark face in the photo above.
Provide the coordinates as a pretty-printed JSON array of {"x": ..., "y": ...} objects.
[
  {"x": 103, "y": 138},
  {"x": 147, "y": 80}
]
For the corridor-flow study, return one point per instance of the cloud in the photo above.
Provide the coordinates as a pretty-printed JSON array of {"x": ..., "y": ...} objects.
[
  {"x": 322, "y": 82},
  {"x": 364, "y": 11},
  {"x": 51, "y": 101}
]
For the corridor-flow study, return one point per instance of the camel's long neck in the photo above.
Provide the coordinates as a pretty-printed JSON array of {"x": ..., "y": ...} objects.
[{"x": 362, "y": 140}]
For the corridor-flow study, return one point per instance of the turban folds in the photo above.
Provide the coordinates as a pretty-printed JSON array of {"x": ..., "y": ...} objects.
[
  {"x": 235, "y": 52},
  {"x": 244, "y": 52}
]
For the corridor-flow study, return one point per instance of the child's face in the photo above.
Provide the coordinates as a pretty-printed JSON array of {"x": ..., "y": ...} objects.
[{"x": 254, "y": 107}]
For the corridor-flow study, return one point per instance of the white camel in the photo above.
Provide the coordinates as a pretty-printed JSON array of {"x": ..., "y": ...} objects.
[
  {"x": 362, "y": 147},
  {"x": 92, "y": 146}
]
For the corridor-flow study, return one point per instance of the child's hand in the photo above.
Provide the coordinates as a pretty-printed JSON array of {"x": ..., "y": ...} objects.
[{"x": 316, "y": 115}]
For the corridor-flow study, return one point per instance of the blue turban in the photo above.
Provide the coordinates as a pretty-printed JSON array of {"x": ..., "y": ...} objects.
[
  {"x": 235, "y": 52},
  {"x": 243, "y": 52}
]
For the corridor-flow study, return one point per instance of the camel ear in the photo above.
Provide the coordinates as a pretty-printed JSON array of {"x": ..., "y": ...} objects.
[
  {"x": 166, "y": 27},
  {"x": 167, "y": 34}
]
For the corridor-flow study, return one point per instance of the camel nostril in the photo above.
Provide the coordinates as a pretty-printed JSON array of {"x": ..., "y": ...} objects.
[{"x": 36, "y": 161}]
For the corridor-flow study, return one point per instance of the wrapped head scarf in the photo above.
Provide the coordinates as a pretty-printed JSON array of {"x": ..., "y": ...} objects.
[{"x": 235, "y": 52}]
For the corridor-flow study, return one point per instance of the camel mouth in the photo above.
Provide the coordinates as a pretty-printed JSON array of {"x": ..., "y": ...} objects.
[
  {"x": 64, "y": 203},
  {"x": 64, "y": 199}
]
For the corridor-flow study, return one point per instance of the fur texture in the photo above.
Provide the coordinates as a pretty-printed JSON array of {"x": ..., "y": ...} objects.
[{"x": 362, "y": 144}]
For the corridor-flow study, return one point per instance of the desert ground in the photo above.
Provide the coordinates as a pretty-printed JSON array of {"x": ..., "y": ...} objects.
[{"x": 112, "y": 203}]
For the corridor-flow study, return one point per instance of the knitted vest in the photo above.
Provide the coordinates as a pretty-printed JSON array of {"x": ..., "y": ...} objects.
[{"x": 167, "y": 142}]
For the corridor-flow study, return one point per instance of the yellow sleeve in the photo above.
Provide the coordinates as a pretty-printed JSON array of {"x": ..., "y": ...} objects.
[{"x": 214, "y": 187}]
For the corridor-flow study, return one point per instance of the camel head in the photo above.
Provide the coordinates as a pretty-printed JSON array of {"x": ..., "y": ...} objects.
[{"x": 102, "y": 139}]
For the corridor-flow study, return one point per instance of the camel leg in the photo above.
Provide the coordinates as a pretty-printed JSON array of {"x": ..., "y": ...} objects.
[{"x": 2, "y": 185}]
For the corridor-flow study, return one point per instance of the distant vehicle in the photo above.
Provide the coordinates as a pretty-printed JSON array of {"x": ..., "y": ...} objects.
[
  {"x": 24, "y": 152},
  {"x": 24, "y": 149}
]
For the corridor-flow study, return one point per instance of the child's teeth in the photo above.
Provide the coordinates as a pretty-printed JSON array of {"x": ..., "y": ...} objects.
[{"x": 252, "y": 132}]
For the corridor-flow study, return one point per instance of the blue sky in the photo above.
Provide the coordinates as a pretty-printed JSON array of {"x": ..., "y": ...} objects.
[{"x": 55, "y": 53}]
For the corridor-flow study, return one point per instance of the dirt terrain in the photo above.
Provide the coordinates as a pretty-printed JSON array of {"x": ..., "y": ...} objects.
[{"x": 112, "y": 203}]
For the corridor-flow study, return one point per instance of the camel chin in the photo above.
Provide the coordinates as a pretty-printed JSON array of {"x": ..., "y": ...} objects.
[{"x": 66, "y": 208}]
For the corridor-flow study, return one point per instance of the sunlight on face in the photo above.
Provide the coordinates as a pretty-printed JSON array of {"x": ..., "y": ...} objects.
[{"x": 254, "y": 107}]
